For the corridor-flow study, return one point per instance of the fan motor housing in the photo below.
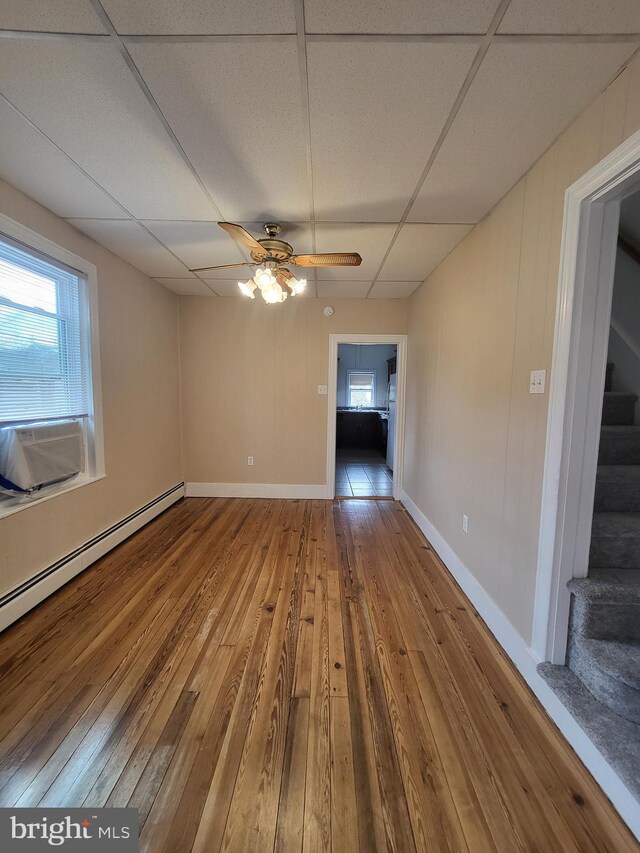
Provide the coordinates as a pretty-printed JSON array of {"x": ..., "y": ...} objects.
[{"x": 277, "y": 249}]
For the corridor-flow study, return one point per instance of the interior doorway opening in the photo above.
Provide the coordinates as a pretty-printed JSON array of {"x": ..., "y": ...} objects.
[{"x": 365, "y": 416}]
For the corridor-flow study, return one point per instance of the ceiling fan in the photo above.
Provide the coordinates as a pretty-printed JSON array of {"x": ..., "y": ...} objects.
[{"x": 270, "y": 255}]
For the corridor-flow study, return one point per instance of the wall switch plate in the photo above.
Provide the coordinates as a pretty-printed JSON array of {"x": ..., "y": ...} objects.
[
  {"x": 465, "y": 523},
  {"x": 249, "y": 460},
  {"x": 323, "y": 389},
  {"x": 537, "y": 381}
]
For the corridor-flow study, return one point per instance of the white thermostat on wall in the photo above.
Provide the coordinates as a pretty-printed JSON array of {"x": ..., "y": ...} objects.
[{"x": 328, "y": 311}]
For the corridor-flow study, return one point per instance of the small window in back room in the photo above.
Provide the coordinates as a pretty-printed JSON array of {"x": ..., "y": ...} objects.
[
  {"x": 45, "y": 369},
  {"x": 362, "y": 389}
]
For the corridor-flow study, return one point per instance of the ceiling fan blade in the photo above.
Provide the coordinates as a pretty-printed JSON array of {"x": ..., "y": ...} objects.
[
  {"x": 224, "y": 266},
  {"x": 337, "y": 259},
  {"x": 242, "y": 236}
]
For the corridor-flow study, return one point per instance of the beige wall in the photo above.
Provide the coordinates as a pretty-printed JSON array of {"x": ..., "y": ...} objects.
[
  {"x": 478, "y": 325},
  {"x": 140, "y": 396},
  {"x": 250, "y": 376}
]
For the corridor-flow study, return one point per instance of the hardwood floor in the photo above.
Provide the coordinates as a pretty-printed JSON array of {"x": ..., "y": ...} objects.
[{"x": 259, "y": 675}]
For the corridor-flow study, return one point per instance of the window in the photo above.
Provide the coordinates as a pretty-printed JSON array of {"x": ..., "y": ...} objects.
[
  {"x": 44, "y": 352},
  {"x": 362, "y": 388},
  {"x": 47, "y": 363}
]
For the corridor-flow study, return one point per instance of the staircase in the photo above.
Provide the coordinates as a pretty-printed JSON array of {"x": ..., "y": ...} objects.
[{"x": 604, "y": 629}]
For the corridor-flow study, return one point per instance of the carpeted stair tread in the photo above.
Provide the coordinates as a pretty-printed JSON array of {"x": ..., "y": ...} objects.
[
  {"x": 620, "y": 661},
  {"x": 618, "y": 408},
  {"x": 617, "y": 488},
  {"x": 614, "y": 586},
  {"x": 619, "y": 445}
]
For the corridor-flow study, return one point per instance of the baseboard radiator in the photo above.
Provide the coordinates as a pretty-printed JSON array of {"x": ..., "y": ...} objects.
[{"x": 35, "y": 589}]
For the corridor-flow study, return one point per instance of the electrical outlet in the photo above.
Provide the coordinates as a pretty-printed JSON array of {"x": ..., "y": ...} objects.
[
  {"x": 537, "y": 381},
  {"x": 323, "y": 390},
  {"x": 465, "y": 523},
  {"x": 249, "y": 460}
]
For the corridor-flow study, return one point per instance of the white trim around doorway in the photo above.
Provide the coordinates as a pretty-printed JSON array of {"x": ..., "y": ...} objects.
[
  {"x": 583, "y": 314},
  {"x": 332, "y": 400}
]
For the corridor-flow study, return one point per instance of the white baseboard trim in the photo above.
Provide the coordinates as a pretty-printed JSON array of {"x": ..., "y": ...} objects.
[
  {"x": 15, "y": 604},
  {"x": 525, "y": 661},
  {"x": 256, "y": 490}
]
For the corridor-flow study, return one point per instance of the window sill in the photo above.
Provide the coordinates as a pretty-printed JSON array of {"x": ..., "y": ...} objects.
[{"x": 11, "y": 505}]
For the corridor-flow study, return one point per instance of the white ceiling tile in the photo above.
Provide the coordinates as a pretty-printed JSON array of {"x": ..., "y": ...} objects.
[
  {"x": 84, "y": 98},
  {"x": 377, "y": 109},
  {"x": 132, "y": 243},
  {"x": 523, "y": 96},
  {"x": 419, "y": 249},
  {"x": 36, "y": 167},
  {"x": 371, "y": 241},
  {"x": 201, "y": 17},
  {"x": 572, "y": 16},
  {"x": 393, "y": 289},
  {"x": 235, "y": 106},
  {"x": 343, "y": 289},
  {"x": 57, "y": 16},
  {"x": 401, "y": 16},
  {"x": 186, "y": 286}
]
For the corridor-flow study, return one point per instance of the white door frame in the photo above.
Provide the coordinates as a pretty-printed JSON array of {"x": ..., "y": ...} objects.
[
  {"x": 332, "y": 400},
  {"x": 583, "y": 314}
]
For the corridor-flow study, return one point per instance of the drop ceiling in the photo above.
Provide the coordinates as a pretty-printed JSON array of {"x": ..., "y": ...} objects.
[{"x": 386, "y": 129}]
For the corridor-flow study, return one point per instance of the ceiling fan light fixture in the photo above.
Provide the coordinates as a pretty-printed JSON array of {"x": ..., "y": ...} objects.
[
  {"x": 297, "y": 285},
  {"x": 264, "y": 278},
  {"x": 273, "y": 294},
  {"x": 247, "y": 288}
]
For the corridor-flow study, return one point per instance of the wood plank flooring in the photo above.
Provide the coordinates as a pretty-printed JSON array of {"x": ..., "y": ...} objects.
[{"x": 258, "y": 675}]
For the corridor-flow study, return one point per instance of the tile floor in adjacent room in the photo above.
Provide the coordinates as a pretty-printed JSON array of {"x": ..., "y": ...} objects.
[{"x": 362, "y": 474}]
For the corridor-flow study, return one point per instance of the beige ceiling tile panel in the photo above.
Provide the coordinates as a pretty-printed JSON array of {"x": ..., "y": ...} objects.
[
  {"x": 343, "y": 289},
  {"x": 202, "y": 17},
  {"x": 186, "y": 286},
  {"x": 523, "y": 96},
  {"x": 235, "y": 106},
  {"x": 401, "y": 16},
  {"x": 572, "y": 16},
  {"x": 393, "y": 289},
  {"x": 377, "y": 109},
  {"x": 86, "y": 100},
  {"x": 371, "y": 241},
  {"x": 419, "y": 249},
  {"x": 36, "y": 167},
  {"x": 132, "y": 243},
  {"x": 197, "y": 244},
  {"x": 50, "y": 16}
]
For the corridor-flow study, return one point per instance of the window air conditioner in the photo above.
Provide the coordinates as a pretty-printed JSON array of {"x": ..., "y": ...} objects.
[{"x": 39, "y": 455}]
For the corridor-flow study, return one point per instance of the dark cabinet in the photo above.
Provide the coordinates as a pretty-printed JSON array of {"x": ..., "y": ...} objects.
[{"x": 358, "y": 429}]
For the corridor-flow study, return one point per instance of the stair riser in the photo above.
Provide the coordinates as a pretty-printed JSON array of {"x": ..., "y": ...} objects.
[
  {"x": 608, "y": 552},
  {"x": 619, "y": 450},
  {"x": 615, "y": 694},
  {"x": 621, "y": 495},
  {"x": 618, "y": 411},
  {"x": 599, "y": 620},
  {"x": 608, "y": 379}
]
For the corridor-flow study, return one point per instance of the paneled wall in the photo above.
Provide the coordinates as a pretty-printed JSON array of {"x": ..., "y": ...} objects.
[
  {"x": 477, "y": 326},
  {"x": 140, "y": 396},
  {"x": 250, "y": 376}
]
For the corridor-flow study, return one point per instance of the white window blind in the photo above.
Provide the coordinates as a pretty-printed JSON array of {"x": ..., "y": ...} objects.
[
  {"x": 361, "y": 389},
  {"x": 44, "y": 346}
]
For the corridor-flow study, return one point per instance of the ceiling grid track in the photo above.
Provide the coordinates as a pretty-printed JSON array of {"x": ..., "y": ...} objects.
[
  {"x": 128, "y": 214},
  {"x": 133, "y": 68},
  {"x": 301, "y": 43},
  {"x": 477, "y": 62}
]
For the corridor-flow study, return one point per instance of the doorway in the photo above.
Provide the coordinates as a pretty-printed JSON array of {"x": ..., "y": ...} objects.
[
  {"x": 580, "y": 357},
  {"x": 365, "y": 426}
]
